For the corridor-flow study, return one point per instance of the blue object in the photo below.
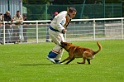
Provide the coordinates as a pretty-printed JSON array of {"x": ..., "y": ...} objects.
[
  {"x": 51, "y": 28},
  {"x": 52, "y": 54}
]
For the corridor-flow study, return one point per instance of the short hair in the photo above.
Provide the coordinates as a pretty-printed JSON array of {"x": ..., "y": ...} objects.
[
  {"x": 7, "y": 12},
  {"x": 18, "y": 11},
  {"x": 24, "y": 15},
  {"x": 71, "y": 9}
]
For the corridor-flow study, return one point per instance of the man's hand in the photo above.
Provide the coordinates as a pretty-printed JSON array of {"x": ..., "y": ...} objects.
[
  {"x": 12, "y": 20},
  {"x": 64, "y": 31}
]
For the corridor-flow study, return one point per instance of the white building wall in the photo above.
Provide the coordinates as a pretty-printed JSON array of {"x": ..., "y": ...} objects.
[{"x": 11, "y": 5}]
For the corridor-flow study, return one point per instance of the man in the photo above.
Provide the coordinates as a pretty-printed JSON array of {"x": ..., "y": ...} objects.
[
  {"x": 8, "y": 30},
  {"x": 25, "y": 28},
  {"x": 57, "y": 29},
  {"x": 1, "y": 21},
  {"x": 1, "y": 17},
  {"x": 47, "y": 36},
  {"x": 55, "y": 13},
  {"x": 19, "y": 19}
]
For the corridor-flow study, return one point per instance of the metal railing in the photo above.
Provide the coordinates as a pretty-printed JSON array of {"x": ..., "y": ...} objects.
[{"x": 78, "y": 30}]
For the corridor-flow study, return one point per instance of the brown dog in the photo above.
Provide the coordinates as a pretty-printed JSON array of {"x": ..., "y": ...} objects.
[{"x": 78, "y": 52}]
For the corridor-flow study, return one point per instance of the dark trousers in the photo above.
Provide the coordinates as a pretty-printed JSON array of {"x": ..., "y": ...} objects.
[
  {"x": 25, "y": 33},
  {"x": 8, "y": 33},
  {"x": 15, "y": 36}
]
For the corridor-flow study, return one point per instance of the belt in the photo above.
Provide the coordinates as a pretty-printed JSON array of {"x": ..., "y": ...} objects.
[{"x": 51, "y": 28}]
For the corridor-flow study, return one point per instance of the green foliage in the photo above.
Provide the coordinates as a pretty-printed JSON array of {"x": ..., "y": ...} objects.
[
  {"x": 37, "y": 12},
  {"x": 36, "y": 1},
  {"x": 113, "y": 1},
  {"x": 25, "y": 1},
  {"x": 28, "y": 63},
  {"x": 67, "y": 1}
]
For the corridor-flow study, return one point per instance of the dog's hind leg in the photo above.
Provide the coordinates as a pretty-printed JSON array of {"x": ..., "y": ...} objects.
[
  {"x": 70, "y": 60},
  {"x": 82, "y": 62},
  {"x": 88, "y": 60}
]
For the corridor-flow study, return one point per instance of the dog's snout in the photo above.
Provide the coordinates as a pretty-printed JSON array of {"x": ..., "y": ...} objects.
[{"x": 61, "y": 44}]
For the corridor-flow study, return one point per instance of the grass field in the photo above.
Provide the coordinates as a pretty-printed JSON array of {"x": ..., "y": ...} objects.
[{"x": 28, "y": 63}]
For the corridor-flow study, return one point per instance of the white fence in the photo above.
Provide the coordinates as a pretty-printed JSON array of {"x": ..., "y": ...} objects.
[{"x": 78, "y": 30}]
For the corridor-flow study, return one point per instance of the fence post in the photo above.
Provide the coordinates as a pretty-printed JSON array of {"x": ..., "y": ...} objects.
[
  {"x": 122, "y": 28},
  {"x": 46, "y": 11},
  {"x": 4, "y": 33},
  {"x": 82, "y": 10},
  {"x": 94, "y": 25},
  {"x": 37, "y": 31},
  {"x": 104, "y": 11}
]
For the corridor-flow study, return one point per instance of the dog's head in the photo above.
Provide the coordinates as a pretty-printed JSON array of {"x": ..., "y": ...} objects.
[{"x": 66, "y": 45}]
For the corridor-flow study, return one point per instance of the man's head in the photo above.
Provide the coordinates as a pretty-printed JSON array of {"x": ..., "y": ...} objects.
[
  {"x": 56, "y": 13},
  {"x": 7, "y": 13},
  {"x": 18, "y": 13},
  {"x": 71, "y": 12},
  {"x": 24, "y": 17}
]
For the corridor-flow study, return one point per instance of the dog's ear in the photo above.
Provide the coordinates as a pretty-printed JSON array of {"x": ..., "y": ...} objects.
[{"x": 61, "y": 43}]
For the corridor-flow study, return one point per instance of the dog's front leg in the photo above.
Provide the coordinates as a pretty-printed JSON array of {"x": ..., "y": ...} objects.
[
  {"x": 70, "y": 60},
  {"x": 65, "y": 60}
]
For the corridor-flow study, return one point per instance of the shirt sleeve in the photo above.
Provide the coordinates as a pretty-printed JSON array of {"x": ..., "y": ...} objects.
[
  {"x": 21, "y": 19},
  {"x": 14, "y": 19},
  {"x": 60, "y": 22}
]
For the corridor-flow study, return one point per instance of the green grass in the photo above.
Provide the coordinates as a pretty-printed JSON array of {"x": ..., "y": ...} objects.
[{"x": 28, "y": 63}]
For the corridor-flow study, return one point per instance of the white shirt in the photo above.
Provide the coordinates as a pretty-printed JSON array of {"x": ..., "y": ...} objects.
[
  {"x": 1, "y": 18},
  {"x": 18, "y": 19},
  {"x": 59, "y": 21}
]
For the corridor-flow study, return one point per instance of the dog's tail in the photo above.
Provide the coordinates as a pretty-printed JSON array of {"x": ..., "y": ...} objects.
[{"x": 100, "y": 48}]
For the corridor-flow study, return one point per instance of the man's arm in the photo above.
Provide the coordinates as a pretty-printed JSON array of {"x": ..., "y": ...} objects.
[
  {"x": 21, "y": 19},
  {"x": 60, "y": 22},
  {"x": 18, "y": 20}
]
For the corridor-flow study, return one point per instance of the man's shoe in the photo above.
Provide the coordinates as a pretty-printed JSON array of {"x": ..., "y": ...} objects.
[
  {"x": 58, "y": 62},
  {"x": 51, "y": 59}
]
